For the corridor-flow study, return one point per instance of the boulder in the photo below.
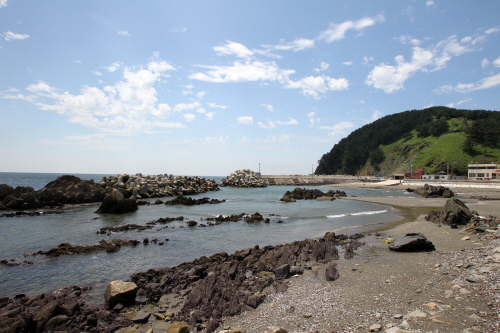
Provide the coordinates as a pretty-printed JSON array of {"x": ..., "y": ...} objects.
[
  {"x": 282, "y": 272},
  {"x": 430, "y": 191},
  {"x": 119, "y": 291},
  {"x": 179, "y": 327},
  {"x": 244, "y": 178},
  {"x": 454, "y": 213},
  {"x": 115, "y": 203},
  {"x": 331, "y": 273},
  {"x": 412, "y": 242}
]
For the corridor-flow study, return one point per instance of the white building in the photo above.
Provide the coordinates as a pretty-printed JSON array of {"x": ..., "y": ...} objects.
[{"x": 484, "y": 171}]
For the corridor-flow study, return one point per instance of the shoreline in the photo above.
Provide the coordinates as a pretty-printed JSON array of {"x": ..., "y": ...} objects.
[{"x": 364, "y": 286}]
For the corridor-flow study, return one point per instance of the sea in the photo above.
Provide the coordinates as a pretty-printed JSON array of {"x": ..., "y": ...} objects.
[{"x": 22, "y": 236}]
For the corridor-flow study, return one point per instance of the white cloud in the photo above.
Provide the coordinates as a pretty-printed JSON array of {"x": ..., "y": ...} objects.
[
  {"x": 114, "y": 66},
  {"x": 496, "y": 62},
  {"x": 124, "y": 33},
  {"x": 216, "y": 139},
  {"x": 189, "y": 117},
  {"x": 241, "y": 72},
  {"x": 245, "y": 120},
  {"x": 3, "y": 3},
  {"x": 186, "y": 106},
  {"x": 338, "y": 129},
  {"x": 127, "y": 107},
  {"x": 201, "y": 94},
  {"x": 322, "y": 67},
  {"x": 430, "y": 3},
  {"x": 9, "y": 35},
  {"x": 269, "y": 107},
  {"x": 233, "y": 48},
  {"x": 367, "y": 60},
  {"x": 97, "y": 73},
  {"x": 314, "y": 85},
  {"x": 485, "y": 63},
  {"x": 337, "y": 31},
  {"x": 209, "y": 115},
  {"x": 215, "y": 106},
  {"x": 297, "y": 45},
  {"x": 312, "y": 119},
  {"x": 485, "y": 83},
  {"x": 269, "y": 125},
  {"x": 392, "y": 78},
  {"x": 452, "y": 105},
  {"x": 289, "y": 122},
  {"x": 376, "y": 115},
  {"x": 347, "y": 63},
  {"x": 407, "y": 39}
]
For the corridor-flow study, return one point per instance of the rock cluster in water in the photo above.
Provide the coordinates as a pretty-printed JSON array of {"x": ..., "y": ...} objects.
[
  {"x": 73, "y": 190},
  {"x": 244, "y": 178},
  {"x": 305, "y": 194}
]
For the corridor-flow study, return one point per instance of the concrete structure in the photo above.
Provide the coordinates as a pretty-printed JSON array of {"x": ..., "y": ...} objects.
[
  {"x": 440, "y": 176},
  {"x": 489, "y": 171},
  {"x": 414, "y": 174}
]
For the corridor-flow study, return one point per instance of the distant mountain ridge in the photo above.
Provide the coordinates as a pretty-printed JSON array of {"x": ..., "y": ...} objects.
[{"x": 436, "y": 138}]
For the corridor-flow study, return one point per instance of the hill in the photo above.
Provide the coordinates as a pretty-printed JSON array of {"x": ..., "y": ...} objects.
[{"x": 436, "y": 138}]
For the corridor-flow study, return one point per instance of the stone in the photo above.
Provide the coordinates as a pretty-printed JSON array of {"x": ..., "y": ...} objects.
[
  {"x": 375, "y": 327},
  {"x": 417, "y": 314},
  {"x": 331, "y": 273},
  {"x": 454, "y": 213},
  {"x": 412, "y": 242},
  {"x": 179, "y": 327},
  {"x": 115, "y": 203},
  {"x": 282, "y": 272},
  {"x": 274, "y": 329},
  {"x": 119, "y": 291},
  {"x": 397, "y": 330},
  {"x": 141, "y": 317}
]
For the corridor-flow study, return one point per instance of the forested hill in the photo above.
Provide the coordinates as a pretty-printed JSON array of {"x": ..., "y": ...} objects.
[{"x": 435, "y": 138}]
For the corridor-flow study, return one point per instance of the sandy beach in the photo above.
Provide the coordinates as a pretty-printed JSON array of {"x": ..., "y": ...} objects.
[{"x": 451, "y": 289}]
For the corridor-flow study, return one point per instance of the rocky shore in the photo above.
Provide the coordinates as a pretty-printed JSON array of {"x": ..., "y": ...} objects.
[
  {"x": 330, "y": 284},
  {"x": 244, "y": 178},
  {"x": 73, "y": 190}
]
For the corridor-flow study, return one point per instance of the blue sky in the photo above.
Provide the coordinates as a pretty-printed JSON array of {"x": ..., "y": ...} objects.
[{"x": 209, "y": 87}]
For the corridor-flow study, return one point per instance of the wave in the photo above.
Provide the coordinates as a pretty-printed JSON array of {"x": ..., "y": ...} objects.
[{"x": 370, "y": 212}]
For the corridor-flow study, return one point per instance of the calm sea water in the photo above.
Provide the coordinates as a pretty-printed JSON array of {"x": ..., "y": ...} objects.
[{"x": 24, "y": 235}]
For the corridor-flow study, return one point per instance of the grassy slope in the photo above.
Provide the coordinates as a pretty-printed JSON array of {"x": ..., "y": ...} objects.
[{"x": 433, "y": 153}]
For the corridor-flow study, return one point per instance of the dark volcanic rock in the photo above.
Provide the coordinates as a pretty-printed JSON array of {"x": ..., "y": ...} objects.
[
  {"x": 68, "y": 249},
  {"x": 305, "y": 194},
  {"x": 188, "y": 201},
  {"x": 282, "y": 272},
  {"x": 115, "y": 203},
  {"x": 331, "y": 273},
  {"x": 412, "y": 242},
  {"x": 429, "y": 191},
  {"x": 454, "y": 213},
  {"x": 125, "y": 227}
]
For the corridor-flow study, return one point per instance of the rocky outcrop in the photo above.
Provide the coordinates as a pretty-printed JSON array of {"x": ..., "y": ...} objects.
[
  {"x": 73, "y": 190},
  {"x": 429, "y": 191},
  {"x": 454, "y": 213},
  {"x": 119, "y": 291},
  {"x": 226, "y": 285},
  {"x": 115, "y": 203},
  {"x": 64, "y": 311},
  {"x": 68, "y": 249},
  {"x": 126, "y": 227},
  {"x": 310, "y": 194},
  {"x": 188, "y": 201},
  {"x": 412, "y": 242},
  {"x": 244, "y": 178}
]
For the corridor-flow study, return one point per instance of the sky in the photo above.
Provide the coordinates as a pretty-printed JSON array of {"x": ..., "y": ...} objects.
[{"x": 209, "y": 87}]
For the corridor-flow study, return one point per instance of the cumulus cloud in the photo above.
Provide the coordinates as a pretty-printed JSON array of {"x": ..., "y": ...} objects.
[
  {"x": 485, "y": 63},
  {"x": 337, "y": 32},
  {"x": 245, "y": 120},
  {"x": 233, "y": 48},
  {"x": 189, "y": 117},
  {"x": 452, "y": 105},
  {"x": 127, "y": 107},
  {"x": 215, "y": 106},
  {"x": 216, "y": 139},
  {"x": 347, "y": 63},
  {"x": 269, "y": 107},
  {"x": 496, "y": 62},
  {"x": 9, "y": 35},
  {"x": 242, "y": 72},
  {"x": 296, "y": 45},
  {"x": 269, "y": 125},
  {"x": 3, "y": 3},
  {"x": 312, "y": 119},
  {"x": 339, "y": 129},
  {"x": 376, "y": 115},
  {"x": 124, "y": 33},
  {"x": 391, "y": 78},
  {"x": 485, "y": 83},
  {"x": 322, "y": 67},
  {"x": 114, "y": 66},
  {"x": 314, "y": 85}
]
